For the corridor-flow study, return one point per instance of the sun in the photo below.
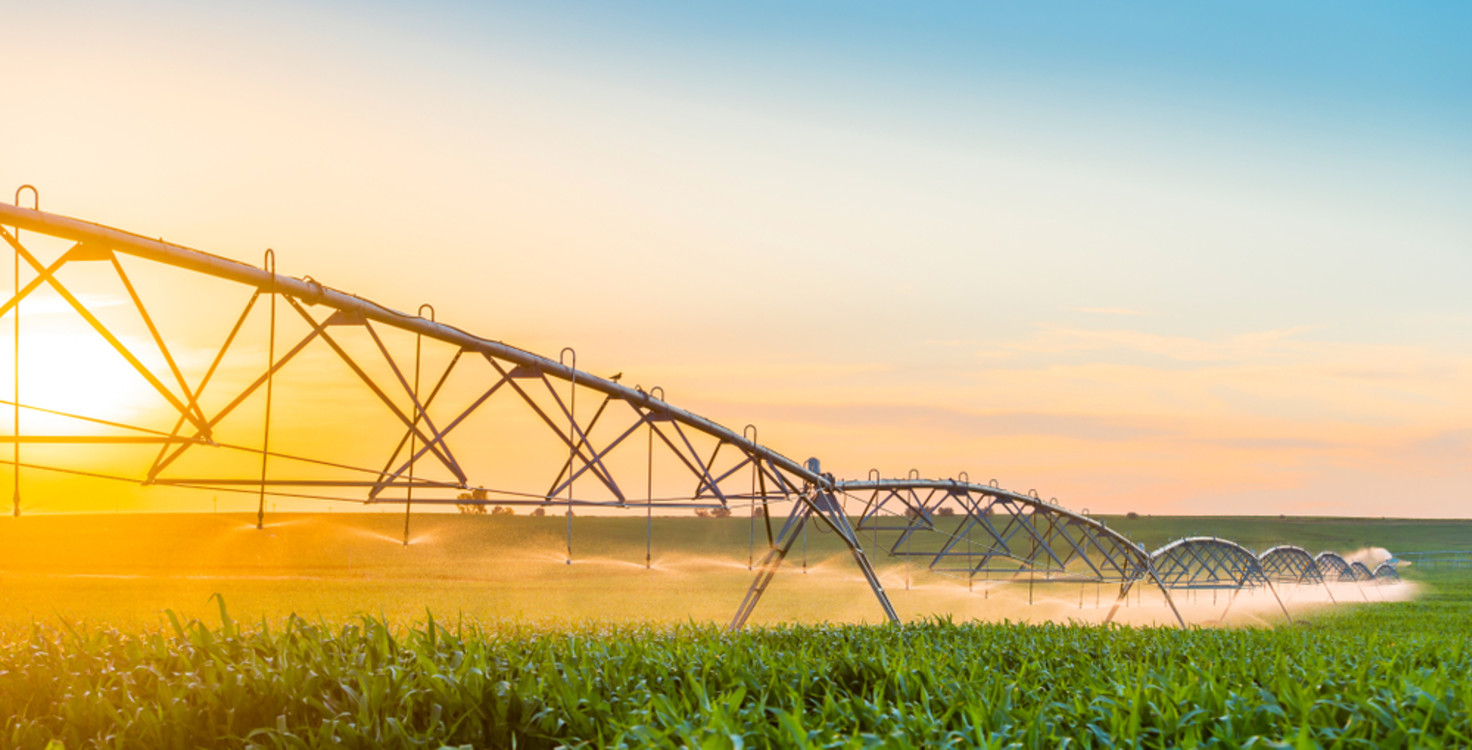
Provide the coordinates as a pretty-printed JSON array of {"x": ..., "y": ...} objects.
[{"x": 74, "y": 372}]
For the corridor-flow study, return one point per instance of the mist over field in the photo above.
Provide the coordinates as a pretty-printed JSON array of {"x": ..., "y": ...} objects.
[{"x": 131, "y": 567}]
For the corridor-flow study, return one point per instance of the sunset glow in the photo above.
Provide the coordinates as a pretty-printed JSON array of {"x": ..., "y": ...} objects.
[{"x": 1112, "y": 261}]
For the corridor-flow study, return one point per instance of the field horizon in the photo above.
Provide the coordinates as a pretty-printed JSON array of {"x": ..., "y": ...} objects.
[{"x": 129, "y": 568}]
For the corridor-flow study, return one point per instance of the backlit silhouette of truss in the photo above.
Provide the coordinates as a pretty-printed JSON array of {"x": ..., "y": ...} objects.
[{"x": 461, "y": 419}]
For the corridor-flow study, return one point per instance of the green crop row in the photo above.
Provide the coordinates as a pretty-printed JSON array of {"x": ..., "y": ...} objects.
[{"x": 1383, "y": 675}]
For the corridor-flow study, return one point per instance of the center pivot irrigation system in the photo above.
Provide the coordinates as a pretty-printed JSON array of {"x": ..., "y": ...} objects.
[{"x": 455, "y": 412}]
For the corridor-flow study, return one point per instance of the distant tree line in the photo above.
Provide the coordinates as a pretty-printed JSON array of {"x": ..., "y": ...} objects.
[{"x": 473, "y": 504}]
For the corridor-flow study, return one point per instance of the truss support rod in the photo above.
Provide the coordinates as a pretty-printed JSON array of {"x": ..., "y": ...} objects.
[
  {"x": 270, "y": 262},
  {"x": 103, "y": 331},
  {"x": 770, "y": 562},
  {"x": 205, "y": 381},
  {"x": 1124, "y": 591},
  {"x": 572, "y": 433},
  {"x": 1361, "y": 588},
  {"x": 1230, "y": 602},
  {"x": 422, "y": 408},
  {"x": 1279, "y": 599},
  {"x": 826, "y": 508},
  {"x": 15, "y": 450},
  {"x": 428, "y": 401},
  {"x": 556, "y": 487},
  {"x": 649, "y": 509},
  {"x": 314, "y": 293}
]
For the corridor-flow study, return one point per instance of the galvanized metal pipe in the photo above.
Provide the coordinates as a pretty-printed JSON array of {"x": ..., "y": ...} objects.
[{"x": 314, "y": 293}]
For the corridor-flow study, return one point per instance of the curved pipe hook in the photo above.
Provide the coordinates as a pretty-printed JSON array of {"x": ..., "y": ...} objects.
[
  {"x": 752, "y": 437},
  {"x": 430, "y": 308},
  {"x": 914, "y": 474},
  {"x": 35, "y": 196},
  {"x": 873, "y": 475}
]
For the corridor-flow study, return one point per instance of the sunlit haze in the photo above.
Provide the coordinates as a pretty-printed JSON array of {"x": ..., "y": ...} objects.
[{"x": 1178, "y": 260}]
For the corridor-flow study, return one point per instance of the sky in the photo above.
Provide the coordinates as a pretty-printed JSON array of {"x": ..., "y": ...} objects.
[{"x": 1170, "y": 258}]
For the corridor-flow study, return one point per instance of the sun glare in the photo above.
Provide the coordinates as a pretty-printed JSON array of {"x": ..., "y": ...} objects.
[{"x": 72, "y": 373}]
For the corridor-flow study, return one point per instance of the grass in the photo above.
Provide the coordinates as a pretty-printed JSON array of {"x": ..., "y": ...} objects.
[
  {"x": 112, "y": 635},
  {"x": 1389, "y": 675}
]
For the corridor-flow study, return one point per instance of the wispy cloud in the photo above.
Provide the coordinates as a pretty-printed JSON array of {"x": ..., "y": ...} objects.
[
  {"x": 1451, "y": 445},
  {"x": 56, "y": 305},
  {"x": 1108, "y": 311},
  {"x": 1126, "y": 417},
  {"x": 959, "y": 421},
  {"x": 1241, "y": 347}
]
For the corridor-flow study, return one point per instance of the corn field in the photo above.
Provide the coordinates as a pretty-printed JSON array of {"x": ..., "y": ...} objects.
[{"x": 1383, "y": 675}]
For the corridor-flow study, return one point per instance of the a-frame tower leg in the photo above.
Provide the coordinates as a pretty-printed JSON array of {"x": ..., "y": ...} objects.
[{"x": 823, "y": 506}]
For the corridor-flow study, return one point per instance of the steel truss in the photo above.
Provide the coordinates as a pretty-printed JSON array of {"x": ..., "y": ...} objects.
[
  {"x": 442, "y": 390},
  {"x": 1360, "y": 572},
  {"x": 1290, "y": 564},
  {"x": 1204, "y": 562},
  {"x": 1385, "y": 573},
  {"x": 958, "y": 528},
  {"x": 605, "y": 463},
  {"x": 1294, "y": 565},
  {"x": 1333, "y": 567}
]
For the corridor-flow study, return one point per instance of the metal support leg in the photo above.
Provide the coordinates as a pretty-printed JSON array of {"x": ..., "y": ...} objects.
[
  {"x": 1230, "y": 602},
  {"x": 1170, "y": 602},
  {"x": 572, "y": 429},
  {"x": 270, "y": 262},
  {"x": 826, "y": 509},
  {"x": 1279, "y": 599},
  {"x": 649, "y": 507},
  {"x": 15, "y": 449},
  {"x": 1124, "y": 592},
  {"x": 770, "y": 562},
  {"x": 418, "y": 355}
]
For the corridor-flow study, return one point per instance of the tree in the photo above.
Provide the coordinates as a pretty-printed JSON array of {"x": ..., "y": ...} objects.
[
  {"x": 501, "y": 510},
  {"x": 471, "y": 508},
  {"x": 538, "y": 512}
]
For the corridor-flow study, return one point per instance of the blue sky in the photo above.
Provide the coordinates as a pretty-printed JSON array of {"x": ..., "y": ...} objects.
[{"x": 1213, "y": 229}]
